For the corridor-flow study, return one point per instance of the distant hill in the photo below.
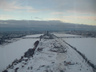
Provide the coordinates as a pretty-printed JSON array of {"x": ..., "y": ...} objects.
[{"x": 32, "y": 25}]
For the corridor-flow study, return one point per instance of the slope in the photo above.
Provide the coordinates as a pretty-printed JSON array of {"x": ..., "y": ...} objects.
[{"x": 51, "y": 55}]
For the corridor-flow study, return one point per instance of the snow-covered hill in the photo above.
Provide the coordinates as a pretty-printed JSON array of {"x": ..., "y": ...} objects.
[{"x": 51, "y": 55}]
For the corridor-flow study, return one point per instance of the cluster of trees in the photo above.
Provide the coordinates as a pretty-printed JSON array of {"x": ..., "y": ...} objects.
[{"x": 5, "y": 36}]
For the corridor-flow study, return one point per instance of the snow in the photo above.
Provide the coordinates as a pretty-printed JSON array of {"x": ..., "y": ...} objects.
[
  {"x": 10, "y": 52},
  {"x": 35, "y": 35},
  {"x": 47, "y": 60},
  {"x": 66, "y": 35},
  {"x": 87, "y": 46},
  {"x": 51, "y": 55}
]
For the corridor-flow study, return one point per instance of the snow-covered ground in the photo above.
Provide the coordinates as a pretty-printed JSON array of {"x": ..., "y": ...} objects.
[
  {"x": 52, "y": 55},
  {"x": 49, "y": 57},
  {"x": 10, "y": 52},
  {"x": 87, "y": 46},
  {"x": 35, "y": 35},
  {"x": 66, "y": 35}
]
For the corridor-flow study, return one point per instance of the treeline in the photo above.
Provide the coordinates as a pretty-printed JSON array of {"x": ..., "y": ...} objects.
[
  {"x": 83, "y": 33},
  {"x": 6, "y": 36}
]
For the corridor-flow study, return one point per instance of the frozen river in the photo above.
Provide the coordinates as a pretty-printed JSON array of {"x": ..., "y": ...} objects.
[
  {"x": 87, "y": 46},
  {"x": 11, "y": 51}
]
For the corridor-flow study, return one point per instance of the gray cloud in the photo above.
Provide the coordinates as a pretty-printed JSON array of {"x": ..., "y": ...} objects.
[
  {"x": 14, "y": 5},
  {"x": 40, "y": 25},
  {"x": 82, "y": 6},
  {"x": 38, "y": 18}
]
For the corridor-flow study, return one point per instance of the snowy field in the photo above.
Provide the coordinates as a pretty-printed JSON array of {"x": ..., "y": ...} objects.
[
  {"x": 52, "y": 55},
  {"x": 66, "y": 35},
  {"x": 35, "y": 35},
  {"x": 87, "y": 46},
  {"x": 10, "y": 52}
]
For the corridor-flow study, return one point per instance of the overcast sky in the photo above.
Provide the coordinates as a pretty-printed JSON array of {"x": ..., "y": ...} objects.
[{"x": 71, "y": 11}]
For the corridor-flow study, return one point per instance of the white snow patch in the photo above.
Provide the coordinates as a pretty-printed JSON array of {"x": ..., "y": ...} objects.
[
  {"x": 66, "y": 35},
  {"x": 35, "y": 35},
  {"x": 87, "y": 46},
  {"x": 10, "y": 52},
  {"x": 54, "y": 61}
]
